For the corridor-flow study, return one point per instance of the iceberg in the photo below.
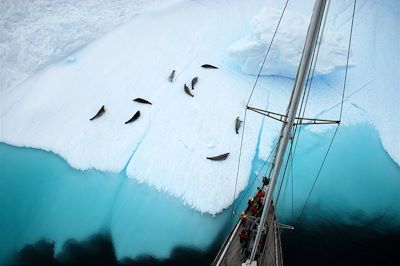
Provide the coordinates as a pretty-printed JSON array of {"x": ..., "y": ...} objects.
[
  {"x": 287, "y": 48},
  {"x": 168, "y": 145},
  {"x": 372, "y": 88}
]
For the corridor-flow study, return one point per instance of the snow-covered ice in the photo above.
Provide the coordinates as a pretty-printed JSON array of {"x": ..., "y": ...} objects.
[
  {"x": 168, "y": 145},
  {"x": 287, "y": 48},
  {"x": 34, "y": 34},
  {"x": 373, "y": 85}
]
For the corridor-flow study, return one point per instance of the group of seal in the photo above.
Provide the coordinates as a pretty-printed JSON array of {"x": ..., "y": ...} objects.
[
  {"x": 222, "y": 157},
  {"x": 132, "y": 119},
  {"x": 187, "y": 90},
  {"x": 136, "y": 116}
]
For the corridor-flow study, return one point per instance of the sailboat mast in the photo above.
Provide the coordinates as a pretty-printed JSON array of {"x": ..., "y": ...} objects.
[{"x": 287, "y": 126}]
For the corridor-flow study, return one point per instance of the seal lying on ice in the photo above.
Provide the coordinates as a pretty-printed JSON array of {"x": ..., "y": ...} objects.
[
  {"x": 140, "y": 100},
  {"x": 209, "y": 66},
  {"x": 171, "y": 76},
  {"x": 219, "y": 157},
  {"x": 237, "y": 124},
  {"x": 194, "y": 81},
  {"x": 99, "y": 113},
  {"x": 186, "y": 88},
  {"x": 134, "y": 117}
]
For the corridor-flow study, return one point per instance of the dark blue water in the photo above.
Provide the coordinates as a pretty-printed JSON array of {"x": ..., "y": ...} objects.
[{"x": 352, "y": 217}]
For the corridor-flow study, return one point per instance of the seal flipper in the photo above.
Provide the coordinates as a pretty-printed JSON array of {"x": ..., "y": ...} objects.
[
  {"x": 99, "y": 113},
  {"x": 133, "y": 118},
  {"x": 219, "y": 157},
  {"x": 186, "y": 88}
]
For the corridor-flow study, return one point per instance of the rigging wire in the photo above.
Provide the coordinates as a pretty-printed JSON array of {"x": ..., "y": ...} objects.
[
  {"x": 258, "y": 174},
  {"x": 284, "y": 173},
  {"x": 291, "y": 175},
  {"x": 340, "y": 115},
  {"x": 303, "y": 104},
  {"x": 285, "y": 188},
  {"x": 309, "y": 81},
  {"x": 248, "y": 101},
  {"x": 318, "y": 174},
  {"x": 347, "y": 61}
]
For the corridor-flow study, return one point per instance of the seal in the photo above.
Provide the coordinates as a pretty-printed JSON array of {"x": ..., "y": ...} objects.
[
  {"x": 186, "y": 88},
  {"x": 219, "y": 157},
  {"x": 99, "y": 113},
  {"x": 194, "y": 81},
  {"x": 171, "y": 76},
  {"x": 133, "y": 118},
  {"x": 237, "y": 124},
  {"x": 140, "y": 100},
  {"x": 209, "y": 66}
]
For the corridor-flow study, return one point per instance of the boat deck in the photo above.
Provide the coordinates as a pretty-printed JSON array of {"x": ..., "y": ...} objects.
[{"x": 234, "y": 253}]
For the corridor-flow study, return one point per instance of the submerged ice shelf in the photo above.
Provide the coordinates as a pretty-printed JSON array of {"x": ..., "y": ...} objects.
[
  {"x": 168, "y": 145},
  {"x": 63, "y": 203}
]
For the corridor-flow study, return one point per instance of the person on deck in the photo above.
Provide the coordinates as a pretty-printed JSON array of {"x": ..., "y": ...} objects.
[
  {"x": 260, "y": 193},
  {"x": 250, "y": 202},
  {"x": 243, "y": 216},
  {"x": 265, "y": 181},
  {"x": 260, "y": 196},
  {"x": 254, "y": 209},
  {"x": 243, "y": 236}
]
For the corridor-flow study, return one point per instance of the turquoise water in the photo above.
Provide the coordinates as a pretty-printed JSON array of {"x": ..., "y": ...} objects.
[
  {"x": 41, "y": 196},
  {"x": 358, "y": 183}
]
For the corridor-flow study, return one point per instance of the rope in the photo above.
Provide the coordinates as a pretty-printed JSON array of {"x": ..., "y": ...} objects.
[
  {"x": 301, "y": 112},
  {"x": 340, "y": 116},
  {"x": 304, "y": 101},
  {"x": 303, "y": 106},
  {"x": 291, "y": 174},
  {"x": 309, "y": 81},
  {"x": 248, "y": 101},
  {"x": 284, "y": 173},
  {"x": 318, "y": 174},
  {"x": 269, "y": 48},
  {"x": 347, "y": 61}
]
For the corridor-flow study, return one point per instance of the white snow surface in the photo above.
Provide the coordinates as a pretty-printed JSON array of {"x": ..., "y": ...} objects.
[
  {"x": 168, "y": 145},
  {"x": 34, "y": 34},
  {"x": 287, "y": 47}
]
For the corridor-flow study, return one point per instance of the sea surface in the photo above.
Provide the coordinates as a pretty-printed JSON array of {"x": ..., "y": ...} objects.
[{"x": 52, "y": 214}]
